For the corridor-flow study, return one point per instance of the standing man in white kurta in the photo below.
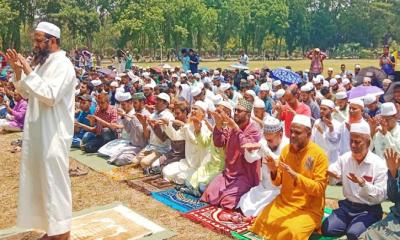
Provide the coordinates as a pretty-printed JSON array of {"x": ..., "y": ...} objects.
[{"x": 45, "y": 200}]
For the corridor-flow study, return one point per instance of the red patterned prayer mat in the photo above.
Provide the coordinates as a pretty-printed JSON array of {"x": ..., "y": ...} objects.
[
  {"x": 150, "y": 184},
  {"x": 219, "y": 220}
]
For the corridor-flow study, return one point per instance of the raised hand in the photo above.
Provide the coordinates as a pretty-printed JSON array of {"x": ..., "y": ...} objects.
[
  {"x": 13, "y": 60},
  {"x": 393, "y": 161},
  {"x": 288, "y": 169},
  {"x": 25, "y": 64},
  {"x": 355, "y": 179},
  {"x": 271, "y": 163},
  {"x": 333, "y": 175}
]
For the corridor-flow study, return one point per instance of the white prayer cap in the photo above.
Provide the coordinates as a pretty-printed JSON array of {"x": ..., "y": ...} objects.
[
  {"x": 251, "y": 92},
  {"x": 307, "y": 87},
  {"x": 330, "y": 69},
  {"x": 195, "y": 91},
  {"x": 148, "y": 86},
  {"x": 174, "y": 75},
  {"x": 341, "y": 95},
  {"x": 328, "y": 103},
  {"x": 332, "y": 82},
  {"x": 197, "y": 75},
  {"x": 302, "y": 120},
  {"x": 325, "y": 83},
  {"x": 361, "y": 127},
  {"x": 369, "y": 74},
  {"x": 216, "y": 72},
  {"x": 226, "y": 104},
  {"x": 280, "y": 93},
  {"x": 388, "y": 109},
  {"x": 225, "y": 86},
  {"x": 247, "y": 71},
  {"x": 276, "y": 83},
  {"x": 217, "y": 99},
  {"x": 114, "y": 84},
  {"x": 96, "y": 82},
  {"x": 272, "y": 125},
  {"x": 188, "y": 71},
  {"x": 337, "y": 76},
  {"x": 183, "y": 74},
  {"x": 201, "y": 105},
  {"x": 264, "y": 87},
  {"x": 306, "y": 70},
  {"x": 320, "y": 77},
  {"x": 146, "y": 74},
  {"x": 258, "y": 103},
  {"x": 367, "y": 79},
  {"x": 345, "y": 81},
  {"x": 357, "y": 101},
  {"x": 49, "y": 28},
  {"x": 357, "y": 66},
  {"x": 200, "y": 85},
  {"x": 123, "y": 96},
  {"x": 316, "y": 80},
  {"x": 118, "y": 78},
  {"x": 369, "y": 99},
  {"x": 250, "y": 77},
  {"x": 164, "y": 97}
]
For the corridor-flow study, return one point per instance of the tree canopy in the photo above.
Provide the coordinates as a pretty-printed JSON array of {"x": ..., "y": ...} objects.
[{"x": 217, "y": 26}]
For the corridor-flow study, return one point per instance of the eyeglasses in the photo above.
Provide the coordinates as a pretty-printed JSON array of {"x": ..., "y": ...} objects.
[{"x": 237, "y": 110}]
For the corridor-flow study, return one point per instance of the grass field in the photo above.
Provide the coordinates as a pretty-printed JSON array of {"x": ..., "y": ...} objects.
[{"x": 296, "y": 65}]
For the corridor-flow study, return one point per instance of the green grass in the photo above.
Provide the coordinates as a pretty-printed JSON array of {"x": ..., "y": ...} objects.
[{"x": 295, "y": 64}]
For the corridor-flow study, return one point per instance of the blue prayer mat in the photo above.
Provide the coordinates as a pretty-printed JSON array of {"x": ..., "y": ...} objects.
[{"x": 179, "y": 201}]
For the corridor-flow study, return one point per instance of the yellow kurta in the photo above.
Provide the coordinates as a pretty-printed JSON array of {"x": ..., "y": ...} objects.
[{"x": 297, "y": 211}]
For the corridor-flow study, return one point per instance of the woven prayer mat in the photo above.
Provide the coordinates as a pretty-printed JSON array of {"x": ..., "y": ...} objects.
[
  {"x": 210, "y": 217},
  {"x": 150, "y": 184},
  {"x": 112, "y": 222},
  {"x": 177, "y": 200},
  {"x": 247, "y": 235},
  {"x": 123, "y": 173}
]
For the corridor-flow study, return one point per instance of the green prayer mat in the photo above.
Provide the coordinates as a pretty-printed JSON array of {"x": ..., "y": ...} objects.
[{"x": 91, "y": 160}]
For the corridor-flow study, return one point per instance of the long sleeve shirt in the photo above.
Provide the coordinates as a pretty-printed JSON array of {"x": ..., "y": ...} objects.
[
  {"x": 372, "y": 169},
  {"x": 390, "y": 140},
  {"x": 327, "y": 140},
  {"x": 18, "y": 113}
]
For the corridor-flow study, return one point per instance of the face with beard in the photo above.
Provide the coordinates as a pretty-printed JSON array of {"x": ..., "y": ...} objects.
[{"x": 41, "y": 48}]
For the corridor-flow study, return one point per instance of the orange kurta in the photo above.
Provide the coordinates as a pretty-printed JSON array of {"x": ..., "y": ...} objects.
[{"x": 297, "y": 211}]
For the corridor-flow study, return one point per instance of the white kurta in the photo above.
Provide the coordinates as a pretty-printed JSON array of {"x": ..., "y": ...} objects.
[
  {"x": 195, "y": 153},
  {"x": 390, "y": 140},
  {"x": 254, "y": 201},
  {"x": 45, "y": 200},
  {"x": 329, "y": 141}
]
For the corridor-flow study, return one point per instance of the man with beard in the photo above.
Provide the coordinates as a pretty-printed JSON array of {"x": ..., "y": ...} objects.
[
  {"x": 364, "y": 178},
  {"x": 232, "y": 96},
  {"x": 341, "y": 111},
  {"x": 301, "y": 172},
  {"x": 326, "y": 131},
  {"x": 239, "y": 175},
  {"x": 306, "y": 95},
  {"x": 253, "y": 202},
  {"x": 45, "y": 200},
  {"x": 133, "y": 113},
  {"x": 292, "y": 107},
  {"x": 356, "y": 108}
]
